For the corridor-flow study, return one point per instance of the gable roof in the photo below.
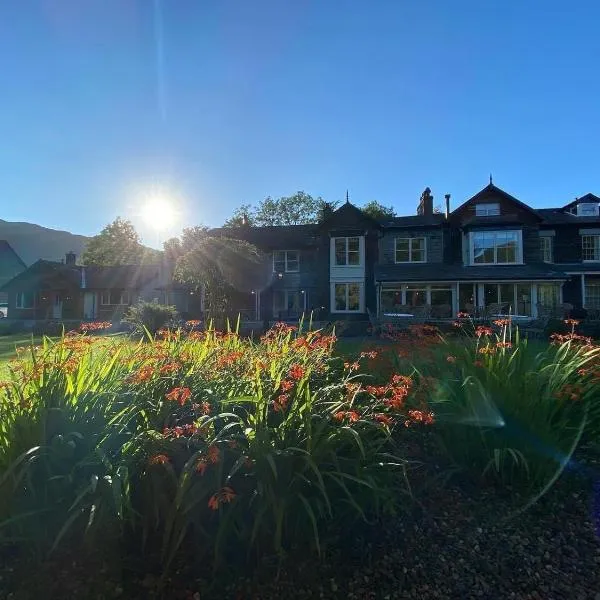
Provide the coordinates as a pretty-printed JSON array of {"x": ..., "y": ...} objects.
[
  {"x": 349, "y": 216},
  {"x": 492, "y": 190},
  {"x": 589, "y": 197},
  {"x": 6, "y": 248}
]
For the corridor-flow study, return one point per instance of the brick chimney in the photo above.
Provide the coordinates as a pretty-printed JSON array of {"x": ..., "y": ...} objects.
[
  {"x": 70, "y": 258},
  {"x": 425, "y": 207}
]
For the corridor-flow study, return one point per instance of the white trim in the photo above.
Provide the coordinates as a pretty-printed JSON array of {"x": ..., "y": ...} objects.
[
  {"x": 361, "y": 297},
  {"x": 361, "y": 251},
  {"x": 519, "y": 255},
  {"x": 550, "y": 241},
  {"x": 20, "y": 296},
  {"x": 410, "y": 250},
  {"x": 582, "y": 290}
]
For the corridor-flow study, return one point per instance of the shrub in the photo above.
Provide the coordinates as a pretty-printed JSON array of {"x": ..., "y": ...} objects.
[{"x": 149, "y": 316}]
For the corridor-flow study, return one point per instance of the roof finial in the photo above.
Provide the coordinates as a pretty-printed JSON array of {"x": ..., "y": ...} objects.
[
  {"x": 347, "y": 197},
  {"x": 491, "y": 182}
]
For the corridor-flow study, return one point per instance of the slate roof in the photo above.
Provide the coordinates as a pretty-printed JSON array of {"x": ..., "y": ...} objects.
[
  {"x": 444, "y": 272},
  {"x": 555, "y": 216},
  {"x": 415, "y": 221},
  {"x": 274, "y": 237}
]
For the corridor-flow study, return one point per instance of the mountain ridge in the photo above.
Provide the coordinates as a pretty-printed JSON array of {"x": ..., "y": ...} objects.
[{"x": 32, "y": 242}]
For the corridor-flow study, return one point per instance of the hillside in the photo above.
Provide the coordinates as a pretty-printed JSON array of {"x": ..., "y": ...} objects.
[{"x": 32, "y": 242}]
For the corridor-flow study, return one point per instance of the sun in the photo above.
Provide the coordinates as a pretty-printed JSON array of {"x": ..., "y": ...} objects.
[{"x": 159, "y": 213}]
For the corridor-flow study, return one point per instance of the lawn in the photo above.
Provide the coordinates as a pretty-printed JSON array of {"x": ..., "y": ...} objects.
[{"x": 416, "y": 466}]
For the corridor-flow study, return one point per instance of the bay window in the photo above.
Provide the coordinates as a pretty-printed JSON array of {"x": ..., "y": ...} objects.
[{"x": 496, "y": 247}]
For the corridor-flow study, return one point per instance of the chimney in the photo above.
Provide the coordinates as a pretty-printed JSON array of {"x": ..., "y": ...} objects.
[
  {"x": 70, "y": 258},
  {"x": 447, "y": 196},
  {"x": 425, "y": 207}
]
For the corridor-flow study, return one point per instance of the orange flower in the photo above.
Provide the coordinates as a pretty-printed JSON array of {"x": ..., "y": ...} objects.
[
  {"x": 384, "y": 419},
  {"x": 179, "y": 394},
  {"x": 487, "y": 350},
  {"x": 286, "y": 385},
  {"x": 353, "y": 416},
  {"x": 339, "y": 416},
  {"x": 169, "y": 368},
  {"x": 572, "y": 322},
  {"x": 419, "y": 416},
  {"x": 463, "y": 315},
  {"x": 159, "y": 459},
  {"x": 372, "y": 354},
  {"x": 213, "y": 455},
  {"x": 483, "y": 330},
  {"x": 296, "y": 372},
  {"x": 451, "y": 359},
  {"x": 144, "y": 374},
  {"x": 477, "y": 363},
  {"x": 201, "y": 466},
  {"x": 456, "y": 324},
  {"x": 504, "y": 345},
  {"x": 351, "y": 366},
  {"x": 502, "y": 322},
  {"x": 223, "y": 496},
  {"x": 280, "y": 402}
]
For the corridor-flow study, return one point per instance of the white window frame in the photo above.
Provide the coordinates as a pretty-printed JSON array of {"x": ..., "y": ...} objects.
[
  {"x": 519, "y": 255},
  {"x": 19, "y": 301},
  {"x": 410, "y": 249},
  {"x": 286, "y": 260},
  {"x": 125, "y": 298},
  {"x": 360, "y": 252},
  {"x": 103, "y": 296},
  {"x": 487, "y": 209},
  {"x": 596, "y": 248},
  {"x": 547, "y": 248},
  {"x": 361, "y": 297},
  {"x": 591, "y": 300}
]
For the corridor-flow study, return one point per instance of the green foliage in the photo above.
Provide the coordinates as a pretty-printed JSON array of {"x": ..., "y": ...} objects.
[
  {"x": 150, "y": 316},
  {"x": 297, "y": 209},
  {"x": 204, "y": 442},
  {"x": 378, "y": 211},
  {"x": 117, "y": 244},
  {"x": 511, "y": 410},
  {"x": 219, "y": 267}
]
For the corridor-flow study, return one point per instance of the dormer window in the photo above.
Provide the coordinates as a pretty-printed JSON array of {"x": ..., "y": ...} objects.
[
  {"x": 489, "y": 209},
  {"x": 587, "y": 209}
]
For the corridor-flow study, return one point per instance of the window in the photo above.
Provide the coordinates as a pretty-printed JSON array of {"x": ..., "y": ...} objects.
[
  {"x": 546, "y": 249},
  {"x": 347, "y": 297},
  {"x": 347, "y": 251},
  {"x": 410, "y": 250},
  {"x": 25, "y": 300},
  {"x": 548, "y": 295},
  {"x": 491, "y": 209},
  {"x": 286, "y": 261},
  {"x": 590, "y": 247},
  {"x": 496, "y": 247},
  {"x": 287, "y": 303},
  {"x": 112, "y": 297},
  {"x": 592, "y": 294},
  {"x": 416, "y": 295},
  {"x": 516, "y": 297},
  {"x": 587, "y": 209}
]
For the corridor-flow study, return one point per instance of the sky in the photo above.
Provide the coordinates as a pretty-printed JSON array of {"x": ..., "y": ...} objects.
[{"x": 211, "y": 104}]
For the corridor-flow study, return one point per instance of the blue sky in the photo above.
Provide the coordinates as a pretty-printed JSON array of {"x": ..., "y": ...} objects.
[{"x": 221, "y": 103}]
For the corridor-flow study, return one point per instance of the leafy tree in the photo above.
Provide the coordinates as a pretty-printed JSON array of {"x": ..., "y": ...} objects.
[
  {"x": 150, "y": 316},
  {"x": 190, "y": 238},
  {"x": 298, "y": 209},
  {"x": 222, "y": 267},
  {"x": 117, "y": 244},
  {"x": 378, "y": 211},
  {"x": 243, "y": 215}
]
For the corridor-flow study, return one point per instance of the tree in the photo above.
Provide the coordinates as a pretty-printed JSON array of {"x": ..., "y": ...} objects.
[
  {"x": 243, "y": 215},
  {"x": 298, "y": 209},
  {"x": 222, "y": 267},
  {"x": 378, "y": 211},
  {"x": 117, "y": 244},
  {"x": 190, "y": 238}
]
